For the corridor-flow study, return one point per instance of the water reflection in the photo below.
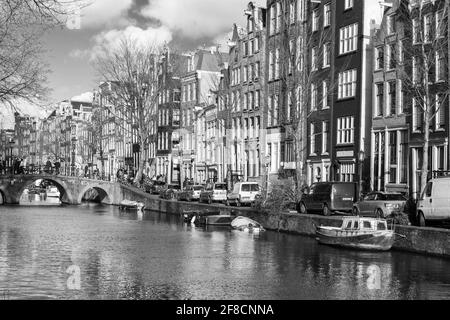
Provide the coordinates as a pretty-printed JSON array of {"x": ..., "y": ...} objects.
[{"x": 123, "y": 255}]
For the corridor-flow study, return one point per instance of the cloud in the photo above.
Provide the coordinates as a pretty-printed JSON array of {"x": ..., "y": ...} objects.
[
  {"x": 197, "y": 19},
  {"x": 100, "y": 13},
  {"x": 143, "y": 38},
  {"x": 86, "y": 97}
]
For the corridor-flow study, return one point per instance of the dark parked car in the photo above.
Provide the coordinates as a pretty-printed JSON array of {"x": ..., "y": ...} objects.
[
  {"x": 170, "y": 192},
  {"x": 380, "y": 204},
  {"x": 329, "y": 197}
]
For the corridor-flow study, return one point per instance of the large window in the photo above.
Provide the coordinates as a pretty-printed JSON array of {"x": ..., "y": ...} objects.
[
  {"x": 325, "y": 134},
  {"x": 392, "y": 98},
  {"x": 427, "y": 27},
  {"x": 393, "y": 161},
  {"x": 326, "y": 15},
  {"x": 326, "y": 55},
  {"x": 348, "y": 39},
  {"x": 347, "y": 84},
  {"x": 315, "y": 20},
  {"x": 345, "y": 130},
  {"x": 379, "y": 58},
  {"x": 314, "y": 97},
  {"x": 348, "y": 4},
  {"x": 379, "y": 90}
]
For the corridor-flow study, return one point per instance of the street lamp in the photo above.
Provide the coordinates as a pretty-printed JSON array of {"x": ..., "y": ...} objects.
[
  {"x": 166, "y": 163},
  {"x": 361, "y": 157}
]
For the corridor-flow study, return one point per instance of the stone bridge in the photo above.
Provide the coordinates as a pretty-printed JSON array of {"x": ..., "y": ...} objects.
[{"x": 72, "y": 189}]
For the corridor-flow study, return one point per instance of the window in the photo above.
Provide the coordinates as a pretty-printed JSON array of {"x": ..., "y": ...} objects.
[
  {"x": 391, "y": 57},
  {"x": 257, "y": 71},
  {"x": 273, "y": 21},
  {"x": 417, "y": 77},
  {"x": 440, "y": 66},
  {"x": 348, "y": 39},
  {"x": 393, "y": 157},
  {"x": 325, "y": 95},
  {"x": 379, "y": 89},
  {"x": 348, "y": 4},
  {"x": 271, "y": 65},
  {"x": 416, "y": 31},
  {"x": 417, "y": 116},
  {"x": 326, "y": 15},
  {"x": 326, "y": 55},
  {"x": 401, "y": 96},
  {"x": 345, "y": 130},
  {"x": 403, "y": 157},
  {"x": 440, "y": 24},
  {"x": 314, "y": 59},
  {"x": 291, "y": 56},
  {"x": 292, "y": 11},
  {"x": 312, "y": 145},
  {"x": 279, "y": 13},
  {"x": 245, "y": 48},
  {"x": 427, "y": 25},
  {"x": 439, "y": 112},
  {"x": 313, "y": 97},
  {"x": 392, "y": 97},
  {"x": 245, "y": 73},
  {"x": 277, "y": 63},
  {"x": 325, "y": 133},
  {"x": 379, "y": 58},
  {"x": 347, "y": 84},
  {"x": 347, "y": 172},
  {"x": 315, "y": 20}
]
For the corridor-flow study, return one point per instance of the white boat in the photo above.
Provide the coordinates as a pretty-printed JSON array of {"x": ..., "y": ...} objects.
[
  {"x": 246, "y": 224},
  {"x": 358, "y": 233},
  {"x": 128, "y": 204},
  {"x": 53, "y": 192}
]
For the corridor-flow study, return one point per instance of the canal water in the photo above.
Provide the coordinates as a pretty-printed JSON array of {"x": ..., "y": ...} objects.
[{"x": 96, "y": 252}]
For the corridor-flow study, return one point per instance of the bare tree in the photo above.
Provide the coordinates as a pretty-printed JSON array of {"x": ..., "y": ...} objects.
[
  {"x": 133, "y": 70},
  {"x": 23, "y": 74},
  {"x": 425, "y": 70}
]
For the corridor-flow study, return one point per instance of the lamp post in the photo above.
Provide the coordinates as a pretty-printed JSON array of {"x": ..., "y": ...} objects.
[
  {"x": 361, "y": 157},
  {"x": 166, "y": 163}
]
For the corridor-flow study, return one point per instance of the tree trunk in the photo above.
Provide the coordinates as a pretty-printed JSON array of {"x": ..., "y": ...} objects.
[
  {"x": 426, "y": 143},
  {"x": 141, "y": 165}
]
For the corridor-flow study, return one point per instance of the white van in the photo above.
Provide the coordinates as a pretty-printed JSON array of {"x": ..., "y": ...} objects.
[
  {"x": 243, "y": 193},
  {"x": 434, "y": 204}
]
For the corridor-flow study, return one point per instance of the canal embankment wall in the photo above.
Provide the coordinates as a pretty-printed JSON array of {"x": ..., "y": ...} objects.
[{"x": 429, "y": 241}]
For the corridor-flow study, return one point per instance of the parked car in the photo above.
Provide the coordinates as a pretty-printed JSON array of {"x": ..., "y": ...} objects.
[
  {"x": 243, "y": 193},
  {"x": 191, "y": 192},
  {"x": 214, "y": 192},
  {"x": 434, "y": 204},
  {"x": 380, "y": 204},
  {"x": 329, "y": 197},
  {"x": 170, "y": 192}
]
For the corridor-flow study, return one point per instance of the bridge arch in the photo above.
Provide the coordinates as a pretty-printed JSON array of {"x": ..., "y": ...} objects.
[
  {"x": 103, "y": 195},
  {"x": 65, "y": 195},
  {"x": 2, "y": 197}
]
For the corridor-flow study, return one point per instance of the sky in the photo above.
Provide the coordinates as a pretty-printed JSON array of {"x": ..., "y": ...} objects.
[{"x": 188, "y": 24}]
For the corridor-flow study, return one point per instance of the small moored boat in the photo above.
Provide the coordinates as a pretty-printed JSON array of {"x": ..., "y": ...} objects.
[
  {"x": 131, "y": 205},
  {"x": 212, "y": 220},
  {"x": 358, "y": 233},
  {"x": 247, "y": 225},
  {"x": 188, "y": 215}
]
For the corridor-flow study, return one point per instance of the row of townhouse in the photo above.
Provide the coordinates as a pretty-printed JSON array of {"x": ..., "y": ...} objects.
[
  {"x": 65, "y": 135},
  {"x": 318, "y": 90}
]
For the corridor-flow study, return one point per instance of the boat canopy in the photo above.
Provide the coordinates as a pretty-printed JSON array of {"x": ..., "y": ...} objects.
[{"x": 364, "y": 224}]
